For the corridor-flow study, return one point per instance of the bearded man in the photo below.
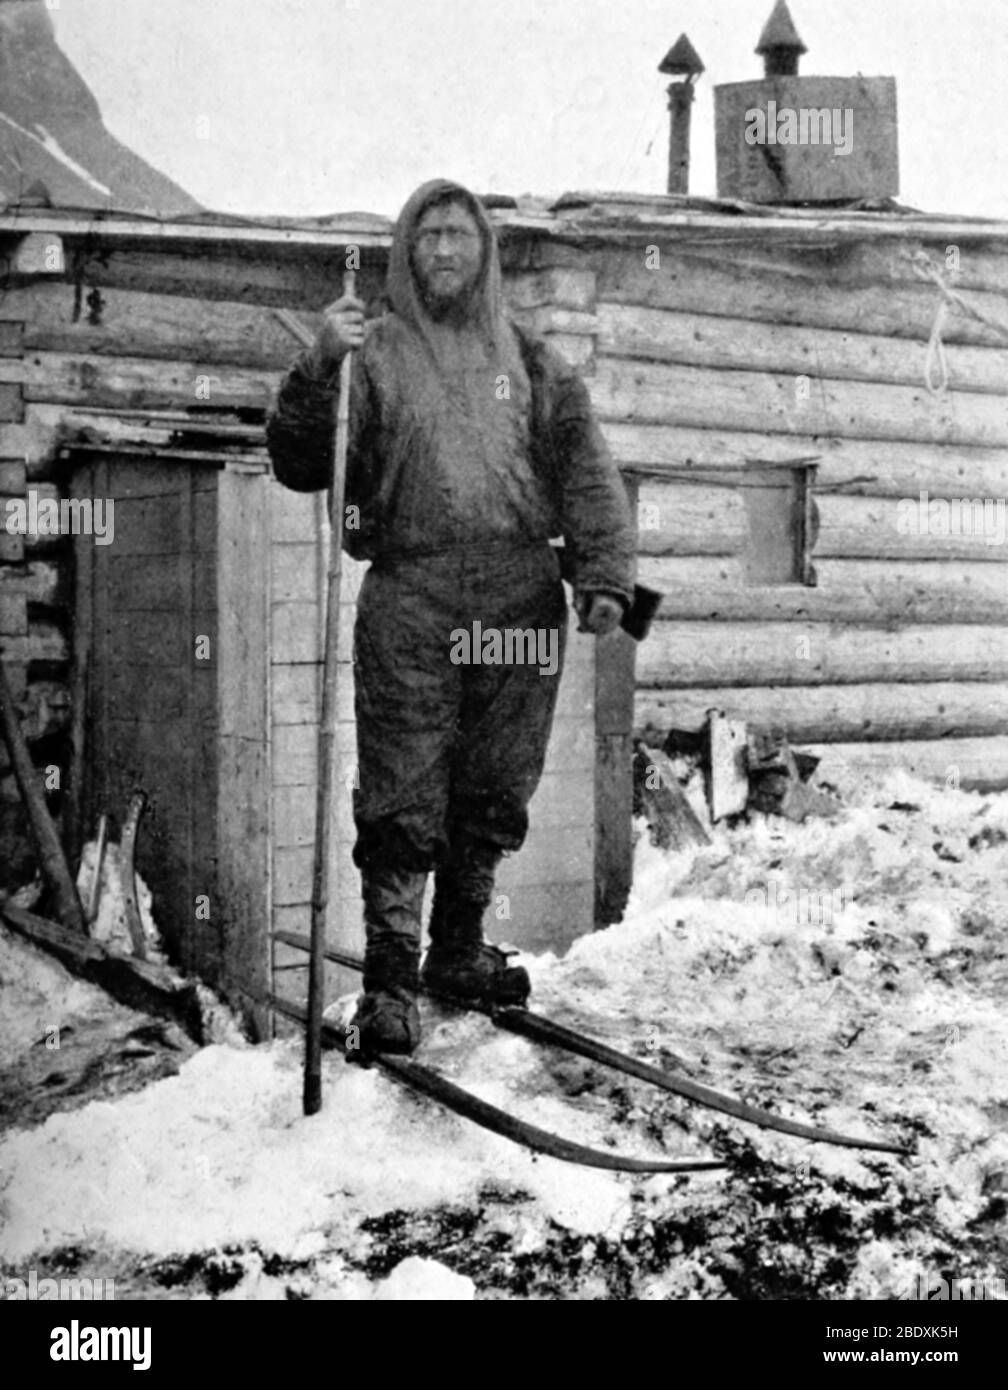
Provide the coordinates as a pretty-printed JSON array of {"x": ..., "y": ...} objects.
[{"x": 471, "y": 445}]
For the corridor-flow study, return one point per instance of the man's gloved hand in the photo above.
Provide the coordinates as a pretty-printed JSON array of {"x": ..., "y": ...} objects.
[
  {"x": 598, "y": 612},
  {"x": 342, "y": 329}
]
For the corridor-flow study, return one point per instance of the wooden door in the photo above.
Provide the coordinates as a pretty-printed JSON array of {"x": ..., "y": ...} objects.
[{"x": 149, "y": 600}]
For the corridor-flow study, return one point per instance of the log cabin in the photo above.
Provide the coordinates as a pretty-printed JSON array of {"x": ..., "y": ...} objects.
[{"x": 763, "y": 382}]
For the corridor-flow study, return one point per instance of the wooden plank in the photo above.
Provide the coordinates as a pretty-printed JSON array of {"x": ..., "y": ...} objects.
[
  {"x": 85, "y": 700},
  {"x": 139, "y": 587},
  {"x": 890, "y": 712},
  {"x": 564, "y": 854},
  {"x": 873, "y": 259},
  {"x": 613, "y": 849},
  {"x": 157, "y": 639},
  {"x": 295, "y": 755},
  {"x": 36, "y": 507},
  {"x": 877, "y": 592},
  {"x": 691, "y": 283},
  {"x": 881, "y": 527},
  {"x": 138, "y": 984},
  {"x": 969, "y": 763},
  {"x": 690, "y": 519},
  {"x": 672, "y": 821},
  {"x": 13, "y": 478},
  {"x": 45, "y": 709},
  {"x": 131, "y": 323},
  {"x": 679, "y": 519},
  {"x": 572, "y": 743},
  {"x": 615, "y": 660},
  {"x": 44, "y": 641},
  {"x": 614, "y": 682},
  {"x": 157, "y": 430},
  {"x": 78, "y": 818},
  {"x": 879, "y": 468},
  {"x": 10, "y": 331},
  {"x": 13, "y": 614},
  {"x": 297, "y": 694},
  {"x": 11, "y": 548},
  {"x": 563, "y": 799},
  {"x": 552, "y": 320},
  {"x": 243, "y": 792},
  {"x": 161, "y": 697},
  {"x": 295, "y": 636},
  {"x": 672, "y": 394},
  {"x": 726, "y": 776},
  {"x": 138, "y": 382},
  {"x": 33, "y": 440},
  {"x": 293, "y": 816},
  {"x": 11, "y": 401},
  {"x": 736, "y": 344},
  {"x": 558, "y": 287},
  {"x": 185, "y": 234},
  {"x": 39, "y": 582},
  {"x": 544, "y": 916},
  {"x": 293, "y": 572},
  {"x": 303, "y": 284},
  {"x": 292, "y": 875},
  {"x": 295, "y": 710},
  {"x": 294, "y": 516},
  {"x": 684, "y": 654}
]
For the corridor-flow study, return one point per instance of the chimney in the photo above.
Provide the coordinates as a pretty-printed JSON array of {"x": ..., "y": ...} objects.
[
  {"x": 682, "y": 60},
  {"x": 791, "y": 139},
  {"x": 780, "y": 44}
]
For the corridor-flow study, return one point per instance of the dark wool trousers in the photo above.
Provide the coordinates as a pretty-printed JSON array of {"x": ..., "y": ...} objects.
[{"x": 449, "y": 753}]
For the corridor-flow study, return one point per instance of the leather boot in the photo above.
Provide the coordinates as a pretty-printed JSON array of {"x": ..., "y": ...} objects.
[
  {"x": 387, "y": 1019},
  {"x": 460, "y": 964}
]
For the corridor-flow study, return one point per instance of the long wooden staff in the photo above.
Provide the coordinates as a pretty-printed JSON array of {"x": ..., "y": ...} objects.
[{"x": 327, "y": 729}]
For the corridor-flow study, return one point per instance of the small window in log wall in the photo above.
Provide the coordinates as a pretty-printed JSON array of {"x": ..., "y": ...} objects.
[{"x": 782, "y": 522}]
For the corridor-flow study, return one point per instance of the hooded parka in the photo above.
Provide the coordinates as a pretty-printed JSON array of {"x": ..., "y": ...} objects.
[{"x": 471, "y": 445}]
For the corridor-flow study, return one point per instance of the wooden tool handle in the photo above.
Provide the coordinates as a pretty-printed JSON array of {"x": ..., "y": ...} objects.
[
  {"x": 312, "y": 1098},
  {"x": 53, "y": 860}
]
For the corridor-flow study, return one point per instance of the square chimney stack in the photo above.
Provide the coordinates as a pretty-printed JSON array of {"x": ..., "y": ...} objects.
[{"x": 791, "y": 139}]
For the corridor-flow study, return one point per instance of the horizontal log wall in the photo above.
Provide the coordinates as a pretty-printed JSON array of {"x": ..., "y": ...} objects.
[
  {"x": 694, "y": 367},
  {"x": 33, "y": 633},
  {"x": 717, "y": 354}
]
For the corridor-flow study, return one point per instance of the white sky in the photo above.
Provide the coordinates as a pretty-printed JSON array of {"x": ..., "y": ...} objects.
[{"x": 311, "y": 106}]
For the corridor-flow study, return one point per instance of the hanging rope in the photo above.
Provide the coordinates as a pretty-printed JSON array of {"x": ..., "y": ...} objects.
[
  {"x": 935, "y": 355},
  {"x": 935, "y": 359}
]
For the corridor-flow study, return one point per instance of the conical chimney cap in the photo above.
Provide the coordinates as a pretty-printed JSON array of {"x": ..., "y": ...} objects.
[
  {"x": 682, "y": 59},
  {"x": 779, "y": 32}
]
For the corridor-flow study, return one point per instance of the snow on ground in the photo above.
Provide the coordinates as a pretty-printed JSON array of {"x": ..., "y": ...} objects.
[
  {"x": 847, "y": 971},
  {"x": 36, "y": 994}
]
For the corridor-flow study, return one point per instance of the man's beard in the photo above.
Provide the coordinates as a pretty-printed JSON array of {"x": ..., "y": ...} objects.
[{"x": 447, "y": 307}]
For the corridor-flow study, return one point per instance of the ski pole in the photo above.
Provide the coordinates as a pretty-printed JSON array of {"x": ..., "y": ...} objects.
[{"x": 312, "y": 1098}]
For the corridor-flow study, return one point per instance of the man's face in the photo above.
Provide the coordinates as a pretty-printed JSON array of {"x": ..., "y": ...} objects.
[{"x": 447, "y": 254}]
